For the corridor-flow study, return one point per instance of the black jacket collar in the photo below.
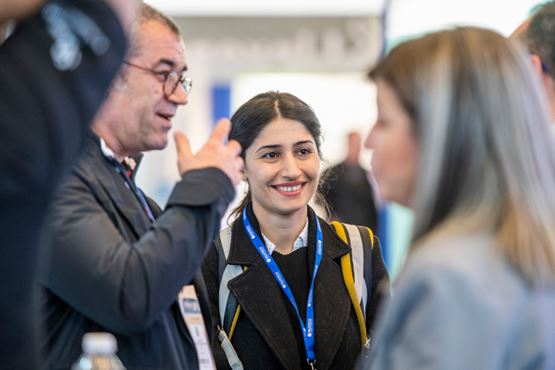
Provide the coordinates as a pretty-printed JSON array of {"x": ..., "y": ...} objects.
[
  {"x": 242, "y": 253},
  {"x": 101, "y": 169}
]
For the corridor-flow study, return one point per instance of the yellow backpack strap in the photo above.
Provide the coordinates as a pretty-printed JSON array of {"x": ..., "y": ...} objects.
[
  {"x": 347, "y": 271},
  {"x": 371, "y": 234},
  {"x": 234, "y": 322},
  {"x": 235, "y": 316}
]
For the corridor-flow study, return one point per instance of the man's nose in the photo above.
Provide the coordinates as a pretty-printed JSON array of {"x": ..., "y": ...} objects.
[{"x": 179, "y": 95}]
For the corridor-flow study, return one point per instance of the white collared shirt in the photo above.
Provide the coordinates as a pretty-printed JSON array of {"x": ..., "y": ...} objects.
[
  {"x": 300, "y": 242},
  {"x": 106, "y": 150},
  {"x": 109, "y": 153}
]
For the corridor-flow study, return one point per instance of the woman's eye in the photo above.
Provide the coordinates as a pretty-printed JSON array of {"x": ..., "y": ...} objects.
[
  {"x": 271, "y": 155},
  {"x": 305, "y": 151}
]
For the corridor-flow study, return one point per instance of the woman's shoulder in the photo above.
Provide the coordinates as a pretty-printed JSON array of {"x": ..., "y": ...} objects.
[
  {"x": 348, "y": 229},
  {"x": 466, "y": 268},
  {"x": 457, "y": 252},
  {"x": 466, "y": 256}
]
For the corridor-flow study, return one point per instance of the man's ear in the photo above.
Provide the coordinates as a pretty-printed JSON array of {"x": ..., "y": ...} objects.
[
  {"x": 545, "y": 77},
  {"x": 244, "y": 176},
  {"x": 537, "y": 64}
]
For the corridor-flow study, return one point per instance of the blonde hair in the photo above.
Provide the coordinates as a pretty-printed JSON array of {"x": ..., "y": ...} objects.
[{"x": 487, "y": 161}]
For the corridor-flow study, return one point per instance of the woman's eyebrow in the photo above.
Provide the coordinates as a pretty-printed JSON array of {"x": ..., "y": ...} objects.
[
  {"x": 277, "y": 146},
  {"x": 302, "y": 142},
  {"x": 271, "y": 146}
]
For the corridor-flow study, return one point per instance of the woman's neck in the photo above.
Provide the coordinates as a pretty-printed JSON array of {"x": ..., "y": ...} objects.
[{"x": 282, "y": 230}]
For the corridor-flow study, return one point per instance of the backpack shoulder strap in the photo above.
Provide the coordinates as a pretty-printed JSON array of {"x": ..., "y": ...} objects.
[
  {"x": 228, "y": 306},
  {"x": 356, "y": 238}
]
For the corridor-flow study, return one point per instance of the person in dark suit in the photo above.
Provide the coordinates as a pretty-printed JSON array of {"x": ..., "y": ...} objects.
[
  {"x": 347, "y": 190},
  {"x": 54, "y": 73},
  {"x": 118, "y": 262},
  {"x": 280, "y": 136}
]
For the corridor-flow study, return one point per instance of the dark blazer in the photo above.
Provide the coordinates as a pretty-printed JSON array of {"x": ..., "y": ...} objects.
[
  {"x": 268, "y": 334},
  {"x": 44, "y": 118},
  {"x": 113, "y": 270}
]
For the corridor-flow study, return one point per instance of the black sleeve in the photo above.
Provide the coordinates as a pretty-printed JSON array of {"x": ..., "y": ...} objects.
[
  {"x": 45, "y": 111},
  {"x": 44, "y": 115},
  {"x": 124, "y": 286}
]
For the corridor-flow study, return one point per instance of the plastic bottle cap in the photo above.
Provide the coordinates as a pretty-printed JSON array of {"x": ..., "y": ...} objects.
[{"x": 99, "y": 344}]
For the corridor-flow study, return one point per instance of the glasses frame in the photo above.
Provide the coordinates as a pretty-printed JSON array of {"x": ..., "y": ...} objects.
[{"x": 186, "y": 82}]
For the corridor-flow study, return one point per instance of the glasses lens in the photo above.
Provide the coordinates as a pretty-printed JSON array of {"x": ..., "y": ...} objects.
[
  {"x": 173, "y": 80},
  {"x": 187, "y": 84}
]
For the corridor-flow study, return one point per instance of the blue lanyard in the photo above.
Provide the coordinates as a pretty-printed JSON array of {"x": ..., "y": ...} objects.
[{"x": 308, "y": 330}]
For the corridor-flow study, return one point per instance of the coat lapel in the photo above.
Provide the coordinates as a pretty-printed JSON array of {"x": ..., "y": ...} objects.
[
  {"x": 331, "y": 301},
  {"x": 123, "y": 198},
  {"x": 266, "y": 306},
  {"x": 260, "y": 297}
]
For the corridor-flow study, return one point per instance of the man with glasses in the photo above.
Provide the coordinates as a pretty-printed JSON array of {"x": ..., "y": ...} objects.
[{"x": 119, "y": 263}]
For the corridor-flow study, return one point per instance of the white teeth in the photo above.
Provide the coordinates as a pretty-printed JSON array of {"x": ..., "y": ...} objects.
[{"x": 289, "y": 188}]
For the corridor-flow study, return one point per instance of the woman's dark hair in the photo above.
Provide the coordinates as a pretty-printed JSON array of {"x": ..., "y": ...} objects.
[{"x": 251, "y": 118}]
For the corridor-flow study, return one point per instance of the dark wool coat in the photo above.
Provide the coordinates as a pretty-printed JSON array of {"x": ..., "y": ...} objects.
[
  {"x": 113, "y": 270},
  {"x": 268, "y": 334}
]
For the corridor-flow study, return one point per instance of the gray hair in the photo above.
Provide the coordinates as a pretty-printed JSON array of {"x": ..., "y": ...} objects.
[
  {"x": 486, "y": 156},
  {"x": 148, "y": 13}
]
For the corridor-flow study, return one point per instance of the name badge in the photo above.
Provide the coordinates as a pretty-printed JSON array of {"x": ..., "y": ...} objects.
[{"x": 190, "y": 310}]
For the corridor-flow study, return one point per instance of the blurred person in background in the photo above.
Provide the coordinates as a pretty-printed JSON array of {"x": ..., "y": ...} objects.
[
  {"x": 462, "y": 139},
  {"x": 55, "y": 68},
  {"x": 347, "y": 190},
  {"x": 276, "y": 234},
  {"x": 537, "y": 34},
  {"x": 119, "y": 263}
]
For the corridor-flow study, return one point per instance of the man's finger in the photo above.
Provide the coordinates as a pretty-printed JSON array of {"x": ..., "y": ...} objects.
[
  {"x": 234, "y": 147},
  {"x": 182, "y": 145},
  {"x": 239, "y": 164},
  {"x": 221, "y": 131}
]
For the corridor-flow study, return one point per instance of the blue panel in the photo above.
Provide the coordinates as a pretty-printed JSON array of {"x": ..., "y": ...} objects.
[{"x": 221, "y": 102}]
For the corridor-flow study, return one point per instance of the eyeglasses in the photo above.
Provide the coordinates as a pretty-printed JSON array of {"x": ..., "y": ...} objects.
[{"x": 171, "y": 79}]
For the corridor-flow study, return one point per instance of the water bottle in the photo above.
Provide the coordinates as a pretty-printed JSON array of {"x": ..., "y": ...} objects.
[{"x": 99, "y": 353}]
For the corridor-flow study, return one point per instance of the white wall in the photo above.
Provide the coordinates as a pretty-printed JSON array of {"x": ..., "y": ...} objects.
[{"x": 269, "y": 8}]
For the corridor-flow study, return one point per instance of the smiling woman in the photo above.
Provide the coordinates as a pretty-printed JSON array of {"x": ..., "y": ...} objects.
[
  {"x": 281, "y": 167},
  {"x": 292, "y": 310}
]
